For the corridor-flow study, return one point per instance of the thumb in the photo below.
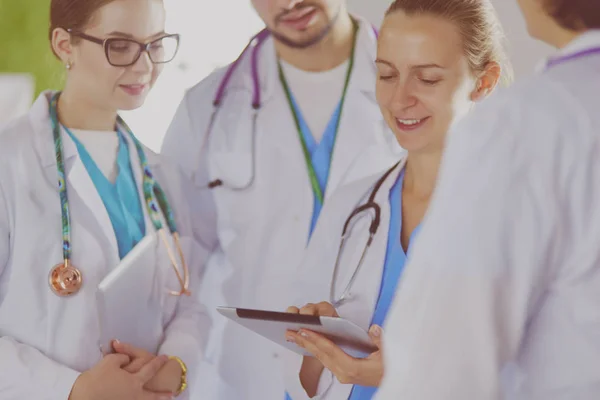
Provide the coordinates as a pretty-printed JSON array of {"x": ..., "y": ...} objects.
[
  {"x": 119, "y": 360},
  {"x": 376, "y": 335}
]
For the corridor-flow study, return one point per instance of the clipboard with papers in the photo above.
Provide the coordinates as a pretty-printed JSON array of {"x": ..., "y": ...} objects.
[
  {"x": 128, "y": 300},
  {"x": 272, "y": 325}
]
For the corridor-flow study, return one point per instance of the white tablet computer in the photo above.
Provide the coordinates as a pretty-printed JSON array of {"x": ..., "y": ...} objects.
[
  {"x": 273, "y": 325},
  {"x": 128, "y": 306}
]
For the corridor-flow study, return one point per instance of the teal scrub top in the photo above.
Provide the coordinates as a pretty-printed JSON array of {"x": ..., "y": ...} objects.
[{"x": 121, "y": 199}]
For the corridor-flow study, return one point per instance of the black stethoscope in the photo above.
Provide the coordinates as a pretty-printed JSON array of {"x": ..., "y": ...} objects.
[{"x": 374, "y": 210}]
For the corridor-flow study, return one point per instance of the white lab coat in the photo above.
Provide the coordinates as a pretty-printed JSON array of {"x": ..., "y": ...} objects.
[
  {"x": 501, "y": 298},
  {"x": 315, "y": 276},
  {"x": 259, "y": 235},
  {"x": 46, "y": 340}
]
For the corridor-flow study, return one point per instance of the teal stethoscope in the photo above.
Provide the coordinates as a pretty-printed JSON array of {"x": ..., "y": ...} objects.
[{"x": 65, "y": 279}]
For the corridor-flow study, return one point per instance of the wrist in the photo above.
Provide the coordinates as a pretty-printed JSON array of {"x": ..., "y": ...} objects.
[
  {"x": 77, "y": 391},
  {"x": 310, "y": 375},
  {"x": 180, "y": 372}
]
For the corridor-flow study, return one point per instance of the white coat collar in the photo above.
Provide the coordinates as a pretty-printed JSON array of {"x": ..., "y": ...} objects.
[
  {"x": 366, "y": 183},
  {"x": 39, "y": 116},
  {"x": 364, "y": 67},
  {"x": 586, "y": 40}
]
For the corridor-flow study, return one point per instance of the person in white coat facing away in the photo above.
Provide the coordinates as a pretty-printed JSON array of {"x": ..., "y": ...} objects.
[
  {"x": 500, "y": 299},
  {"x": 267, "y": 140},
  {"x": 435, "y": 60},
  {"x": 78, "y": 192}
]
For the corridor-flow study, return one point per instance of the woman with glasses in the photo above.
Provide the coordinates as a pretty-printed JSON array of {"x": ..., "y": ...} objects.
[{"x": 78, "y": 193}]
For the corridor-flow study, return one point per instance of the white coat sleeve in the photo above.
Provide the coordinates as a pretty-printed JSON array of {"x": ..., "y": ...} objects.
[
  {"x": 292, "y": 365},
  {"x": 26, "y": 373},
  {"x": 183, "y": 146},
  {"x": 183, "y": 139},
  {"x": 186, "y": 144},
  {"x": 187, "y": 332},
  {"x": 477, "y": 266}
]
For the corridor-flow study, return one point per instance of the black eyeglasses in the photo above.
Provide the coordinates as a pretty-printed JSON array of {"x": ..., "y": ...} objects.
[{"x": 126, "y": 52}]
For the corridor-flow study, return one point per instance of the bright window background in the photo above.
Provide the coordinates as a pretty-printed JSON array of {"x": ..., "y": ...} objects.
[{"x": 213, "y": 33}]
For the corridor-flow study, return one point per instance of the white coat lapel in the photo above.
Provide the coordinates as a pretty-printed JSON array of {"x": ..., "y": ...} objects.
[
  {"x": 134, "y": 159},
  {"x": 79, "y": 180},
  {"x": 277, "y": 131},
  {"x": 362, "y": 126},
  {"x": 79, "y": 183},
  {"x": 363, "y": 293},
  {"x": 323, "y": 250},
  {"x": 324, "y": 246}
]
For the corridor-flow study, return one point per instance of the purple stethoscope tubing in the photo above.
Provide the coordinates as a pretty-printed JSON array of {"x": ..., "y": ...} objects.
[
  {"x": 571, "y": 57},
  {"x": 255, "y": 43}
]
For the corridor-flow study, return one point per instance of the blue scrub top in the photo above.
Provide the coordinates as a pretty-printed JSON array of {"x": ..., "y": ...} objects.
[
  {"x": 320, "y": 153},
  {"x": 121, "y": 199},
  {"x": 395, "y": 259}
]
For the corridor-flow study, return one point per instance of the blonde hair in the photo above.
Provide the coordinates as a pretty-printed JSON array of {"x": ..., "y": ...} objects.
[{"x": 479, "y": 26}]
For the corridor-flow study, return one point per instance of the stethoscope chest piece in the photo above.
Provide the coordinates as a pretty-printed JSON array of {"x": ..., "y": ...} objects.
[{"x": 65, "y": 280}]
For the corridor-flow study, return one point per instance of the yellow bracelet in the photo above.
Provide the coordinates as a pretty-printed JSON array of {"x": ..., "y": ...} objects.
[{"x": 183, "y": 385}]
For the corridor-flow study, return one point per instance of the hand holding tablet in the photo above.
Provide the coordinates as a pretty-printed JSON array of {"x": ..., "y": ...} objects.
[{"x": 273, "y": 325}]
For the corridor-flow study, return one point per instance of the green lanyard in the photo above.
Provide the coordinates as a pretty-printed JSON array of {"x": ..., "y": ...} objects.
[
  {"x": 311, "y": 170},
  {"x": 154, "y": 196}
]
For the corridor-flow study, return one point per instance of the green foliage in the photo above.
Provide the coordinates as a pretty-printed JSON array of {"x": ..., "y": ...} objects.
[{"x": 24, "y": 45}]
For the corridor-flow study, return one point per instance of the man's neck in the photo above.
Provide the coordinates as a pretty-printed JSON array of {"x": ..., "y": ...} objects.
[
  {"x": 331, "y": 51},
  {"x": 563, "y": 37},
  {"x": 557, "y": 36}
]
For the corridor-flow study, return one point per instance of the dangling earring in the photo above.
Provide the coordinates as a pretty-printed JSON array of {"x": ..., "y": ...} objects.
[{"x": 68, "y": 66}]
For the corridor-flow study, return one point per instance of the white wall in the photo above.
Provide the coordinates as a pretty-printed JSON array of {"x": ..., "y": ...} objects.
[
  {"x": 213, "y": 35},
  {"x": 16, "y": 95},
  {"x": 523, "y": 51}
]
